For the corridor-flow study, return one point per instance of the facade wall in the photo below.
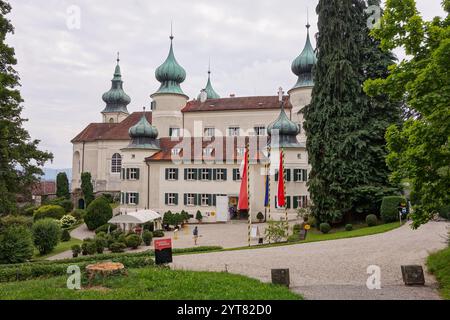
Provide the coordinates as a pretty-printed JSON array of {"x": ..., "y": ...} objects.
[{"x": 167, "y": 112}]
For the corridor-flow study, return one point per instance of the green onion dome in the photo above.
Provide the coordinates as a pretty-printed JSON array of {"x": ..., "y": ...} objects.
[
  {"x": 284, "y": 126},
  {"x": 116, "y": 99},
  {"x": 304, "y": 63},
  {"x": 170, "y": 74},
  {"x": 210, "y": 92},
  {"x": 143, "y": 129}
]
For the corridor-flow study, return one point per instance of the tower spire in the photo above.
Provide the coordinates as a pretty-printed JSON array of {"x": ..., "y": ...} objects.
[
  {"x": 209, "y": 90},
  {"x": 116, "y": 99}
]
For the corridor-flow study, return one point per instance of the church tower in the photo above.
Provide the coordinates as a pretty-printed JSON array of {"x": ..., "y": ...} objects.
[
  {"x": 170, "y": 98},
  {"x": 302, "y": 67},
  {"x": 116, "y": 99}
]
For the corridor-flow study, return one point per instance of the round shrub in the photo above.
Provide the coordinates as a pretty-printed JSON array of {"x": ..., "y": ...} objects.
[
  {"x": 117, "y": 247},
  {"x": 199, "y": 216},
  {"x": 76, "y": 250},
  {"x": 348, "y": 227},
  {"x": 65, "y": 235},
  {"x": 325, "y": 227},
  {"x": 371, "y": 220},
  {"x": 16, "y": 245},
  {"x": 158, "y": 233},
  {"x": 49, "y": 211},
  {"x": 98, "y": 213},
  {"x": 88, "y": 247},
  {"x": 67, "y": 221},
  {"x": 133, "y": 241},
  {"x": 78, "y": 214},
  {"x": 46, "y": 234},
  {"x": 10, "y": 221},
  {"x": 105, "y": 227},
  {"x": 147, "y": 237},
  {"x": 389, "y": 208}
]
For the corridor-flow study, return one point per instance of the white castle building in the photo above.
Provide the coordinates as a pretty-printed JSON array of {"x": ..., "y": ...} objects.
[{"x": 185, "y": 154}]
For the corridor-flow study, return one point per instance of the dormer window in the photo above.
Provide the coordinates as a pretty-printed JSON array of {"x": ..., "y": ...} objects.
[
  {"x": 176, "y": 151},
  {"x": 207, "y": 151},
  {"x": 240, "y": 151},
  {"x": 233, "y": 131},
  {"x": 174, "y": 132},
  {"x": 209, "y": 132}
]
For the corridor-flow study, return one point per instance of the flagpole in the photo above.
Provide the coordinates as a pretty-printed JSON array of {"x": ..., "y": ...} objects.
[
  {"x": 284, "y": 191},
  {"x": 268, "y": 183},
  {"x": 248, "y": 194}
]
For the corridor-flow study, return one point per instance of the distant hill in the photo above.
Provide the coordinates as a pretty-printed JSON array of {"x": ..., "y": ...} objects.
[{"x": 50, "y": 174}]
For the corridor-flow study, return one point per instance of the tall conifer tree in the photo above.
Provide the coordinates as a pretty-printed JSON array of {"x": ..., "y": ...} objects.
[{"x": 20, "y": 159}]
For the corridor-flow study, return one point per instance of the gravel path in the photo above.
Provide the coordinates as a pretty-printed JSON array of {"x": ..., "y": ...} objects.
[{"x": 337, "y": 269}]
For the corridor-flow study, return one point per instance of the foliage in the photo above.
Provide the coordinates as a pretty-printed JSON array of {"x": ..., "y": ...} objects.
[
  {"x": 88, "y": 247},
  {"x": 16, "y": 244},
  {"x": 65, "y": 235},
  {"x": 418, "y": 149},
  {"x": 63, "y": 202},
  {"x": 158, "y": 233},
  {"x": 147, "y": 237},
  {"x": 439, "y": 264},
  {"x": 150, "y": 226},
  {"x": 49, "y": 211},
  {"x": 62, "y": 186},
  {"x": 133, "y": 241},
  {"x": 87, "y": 188},
  {"x": 185, "y": 216},
  {"x": 276, "y": 231},
  {"x": 106, "y": 227},
  {"x": 444, "y": 212},
  {"x": 12, "y": 220},
  {"x": 260, "y": 216},
  {"x": 100, "y": 244},
  {"x": 371, "y": 220},
  {"x": 304, "y": 213},
  {"x": 389, "y": 208},
  {"x": 198, "y": 216},
  {"x": 27, "y": 210},
  {"x": 117, "y": 247},
  {"x": 17, "y": 150},
  {"x": 98, "y": 213},
  {"x": 344, "y": 127},
  {"x": 348, "y": 227},
  {"x": 46, "y": 235},
  {"x": 325, "y": 227},
  {"x": 76, "y": 250},
  {"x": 108, "y": 197},
  {"x": 168, "y": 218},
  {"x": 297, "y": 228},
  {"x": 67, "y": 221},
  {"x": 78, "y": 214}
]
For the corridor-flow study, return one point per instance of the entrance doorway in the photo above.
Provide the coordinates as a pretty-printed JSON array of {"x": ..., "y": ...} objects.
[
  {"x": 81, "y": 204},
  {"x": 233, "y": 207}
]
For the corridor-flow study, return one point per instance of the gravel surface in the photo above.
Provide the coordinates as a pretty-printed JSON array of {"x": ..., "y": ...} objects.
[{"x": 337, "y": 269}]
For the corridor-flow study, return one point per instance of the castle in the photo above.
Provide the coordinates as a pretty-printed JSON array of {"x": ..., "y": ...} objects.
[{"x": 185, "y": 154}]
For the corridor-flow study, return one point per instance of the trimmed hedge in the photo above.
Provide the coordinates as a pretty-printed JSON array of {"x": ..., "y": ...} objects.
[
  {"x": 46, "y": 235},
  {"x": 389, "y": 208},
  {"x": 371, "y": 220},
  {"x": 16, "y": 245},
  {"x": 325, "y": 228},
  {"x": 49, "y": 211},
  {"x": 62, "y": 202}
]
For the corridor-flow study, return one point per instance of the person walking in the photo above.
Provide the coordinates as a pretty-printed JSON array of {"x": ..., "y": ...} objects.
[{"x": 195, "y": 233}]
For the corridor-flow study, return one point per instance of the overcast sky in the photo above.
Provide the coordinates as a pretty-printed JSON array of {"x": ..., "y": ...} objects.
[{"x": 64, "y": 71}]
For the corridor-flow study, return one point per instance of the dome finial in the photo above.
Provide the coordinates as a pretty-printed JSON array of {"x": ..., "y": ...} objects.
[
  {"x": 116, "y": 99},
  {"x": 118, "y": 57},
  {"x": 307, "y": 19},
  {"x": 171, "y": 31}
]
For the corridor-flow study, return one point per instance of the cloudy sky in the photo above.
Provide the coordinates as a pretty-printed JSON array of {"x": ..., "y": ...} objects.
[{"x": 65, "y": 70}]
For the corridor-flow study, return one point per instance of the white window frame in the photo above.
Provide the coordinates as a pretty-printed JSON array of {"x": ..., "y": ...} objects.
[
  {"x": 204, "y": 172},
  {"x": 204, "y": 198},
  {"x": 258, "y": 130},
  {"x": 300, "y": 201},
  {"x": 171, "y": 199},
  {"x": 132, "y": 195},
  {"x": 234, "y": 131},
  {"x": 116, "y": 163},
  {"x": 190, "y": 199},
  {"x": 207, "y": 152},
  {"x": 299, "y": 175},
  {"x": 171, "y": 174},
  {"x": 176, "y": 151},
  {"x": 209, "y": 132},
  {"x": 191, "y": 174},
  {"x": 133, "y": 174},
  {"x": 220, "y": 173},
  {"x": 175, "y": 129}
]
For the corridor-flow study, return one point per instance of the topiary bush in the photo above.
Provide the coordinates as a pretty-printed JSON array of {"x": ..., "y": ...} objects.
[
  {"x": 147, "y": 237},
  {"x": 16, "y": 245},
  {"x": 260, "y": 216},
  {"x": 348, "y": 227},
  {"x": 325, "y": 227},
  {"x": 133, "y": 241},
  {"x": 49, "y": 211},
  {"x": 158, "y": 233},
  {"x": 117, "y": 247},
  {"x": 88, "y": 247},
  {"x": 65, "y": 235},
  {"x": 67, "y": 221},
  {"x": 371, "y": 220},
  {"x": 98, "y": 213},
  {"x": 46, "y": 235},
  {"x": 199, "y": 216},
  {"x": 106, "y": 227},
  {"x": 76, "y": 250},
  {"x": 389, "y": 208}
]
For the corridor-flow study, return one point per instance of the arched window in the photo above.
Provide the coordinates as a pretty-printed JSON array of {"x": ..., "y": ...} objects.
[
  {"x": 76, "y": 162},
  {"x": 111, "y": 120},
  {"x": 116, "y": 163}
]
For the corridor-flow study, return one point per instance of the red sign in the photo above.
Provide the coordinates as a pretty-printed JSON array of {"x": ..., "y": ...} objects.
[{"x": 163, "y": 244}]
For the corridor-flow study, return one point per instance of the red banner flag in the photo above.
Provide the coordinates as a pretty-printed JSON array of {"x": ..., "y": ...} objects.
[
  {"x": 280, "y": 197},
  {"x": 243, "y": 193}
]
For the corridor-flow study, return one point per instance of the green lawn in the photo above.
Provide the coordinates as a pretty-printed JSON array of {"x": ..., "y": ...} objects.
[
  {"x": 152, "y": 284},
  {"x": 61, "y": 247},
  {"x": 439, "y": 264}
]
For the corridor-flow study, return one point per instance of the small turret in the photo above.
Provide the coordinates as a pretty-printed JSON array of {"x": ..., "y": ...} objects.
[
  {"x": 143, "y": 135},
  {"x": 209, "y": 90},
  {"x": 304, "y": 63}
]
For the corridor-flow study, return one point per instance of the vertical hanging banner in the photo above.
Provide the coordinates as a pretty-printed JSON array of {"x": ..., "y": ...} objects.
[
  {"x": 243, "y": 203},
  {"x": 280, "y": 195}
]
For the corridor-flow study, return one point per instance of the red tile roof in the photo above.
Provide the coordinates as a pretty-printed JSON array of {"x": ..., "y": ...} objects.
[
  {"x": 238, "y": 103},
  {"x": 110, "y": 131},
  {"x": 43, "y": 188},
  {"x": 228, "y": 145}
]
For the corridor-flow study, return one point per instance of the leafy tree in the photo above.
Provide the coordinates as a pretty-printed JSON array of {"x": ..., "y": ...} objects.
[
  {"x": 20, "y": 159},
  {"x": 87, "y": 187},
  {"x": 62, "y": 186},
  {"x": 16, "y": 245},
  {"x": 419, "y": 150},
  {"x": 98, "y": 213},
  {"x": 46, "y": 234}
]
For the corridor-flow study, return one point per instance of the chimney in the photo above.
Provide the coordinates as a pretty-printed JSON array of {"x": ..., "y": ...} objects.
[{"x": 232, "y": 95}]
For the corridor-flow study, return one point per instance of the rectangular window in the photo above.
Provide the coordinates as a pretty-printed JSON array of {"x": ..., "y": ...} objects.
[
  {"x": 236, "y": 175},
  {"x": 134, "y": 174},
  {"x": 260, "y": 130},
  {"x": 205, "y": 200},
  {"x": 205, "y": 174},
  {"x": 190, "y": 199},
  {"x": 190, "y": 174},
  {"x": 233, "y": 131},
  {"x": 133, "y": 198},
  {"x": 220, "y": 174},
  {"x": 171, "y": 199},
  {"x": 174, "y": 132},
  {"x": 210, "y": 132},
  {"x": 171, "y": 174},
  {"x": 301, "y": 201}
]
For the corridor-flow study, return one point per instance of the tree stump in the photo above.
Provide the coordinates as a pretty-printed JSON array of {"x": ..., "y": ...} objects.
[{"x": 104, "y": 269}]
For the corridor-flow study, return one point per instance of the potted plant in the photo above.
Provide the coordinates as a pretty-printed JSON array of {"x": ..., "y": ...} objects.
[
  {"x": 260, "y": 216},
  {"x": 199, "y": 216},
  {"x": 76, "y": 250}
]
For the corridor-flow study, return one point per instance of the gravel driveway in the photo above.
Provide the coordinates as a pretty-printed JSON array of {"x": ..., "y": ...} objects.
[{"x": 337, "y": 269}]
